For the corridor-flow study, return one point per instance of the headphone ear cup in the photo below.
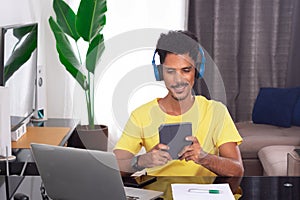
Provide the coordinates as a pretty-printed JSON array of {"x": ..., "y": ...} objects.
[
  {"x": 201, "y": 70},
  {"x": 202, "y": 64},
  {"x": 156, "y": 71},
  {"x": 160, "y": 71}
]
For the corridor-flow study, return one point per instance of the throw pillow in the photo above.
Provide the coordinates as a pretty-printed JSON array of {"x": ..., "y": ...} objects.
[
  {"x": 296, "y": 115},
  {"x": 275, "y": 106}
]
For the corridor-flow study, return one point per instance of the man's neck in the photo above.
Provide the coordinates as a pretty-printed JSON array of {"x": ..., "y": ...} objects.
[{"x": 175, "y": 107}]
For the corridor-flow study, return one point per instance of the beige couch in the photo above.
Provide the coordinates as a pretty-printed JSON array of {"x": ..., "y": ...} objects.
[{"x": 257, "y": 136}]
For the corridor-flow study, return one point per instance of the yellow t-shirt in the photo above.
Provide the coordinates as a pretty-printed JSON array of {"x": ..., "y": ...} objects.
[{"x": 211, "y": 124}]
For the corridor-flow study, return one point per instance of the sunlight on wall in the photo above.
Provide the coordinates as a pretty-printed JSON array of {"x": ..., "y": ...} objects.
[{"x": 127, "y": 80}]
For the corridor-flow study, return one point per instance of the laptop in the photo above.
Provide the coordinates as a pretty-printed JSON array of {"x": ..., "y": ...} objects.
[{"x": 71, "y": 174}]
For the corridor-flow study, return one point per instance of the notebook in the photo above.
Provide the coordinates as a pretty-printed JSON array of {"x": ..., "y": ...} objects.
[{"x": 71, "y": 174}]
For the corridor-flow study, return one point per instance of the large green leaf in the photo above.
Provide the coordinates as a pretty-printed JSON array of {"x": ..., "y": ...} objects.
[
  {"x": 90, "y": 18},
  {"x": 20, "y": 55},
  {"x": 22, "y": 31},
  {"x": 66, "y": 18},
  {"x": 66, "y": 54},
  {"x": 94, "y": 52}
]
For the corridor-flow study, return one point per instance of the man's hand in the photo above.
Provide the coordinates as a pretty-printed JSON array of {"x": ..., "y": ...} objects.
[
  {"x": 228, "y": 163},
  {"x": 192, "y": 152},
  {"x": 156, "y": 157}
]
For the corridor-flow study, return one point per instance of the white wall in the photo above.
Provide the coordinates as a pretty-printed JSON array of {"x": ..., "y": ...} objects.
[
  {"x": 131, "y": 31},
  {"x": 122, "y": 16},
  {"x": 16, "y": 11}
]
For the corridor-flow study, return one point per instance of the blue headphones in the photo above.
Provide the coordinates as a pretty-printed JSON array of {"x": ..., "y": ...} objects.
[{"x": 200, "y": 69}]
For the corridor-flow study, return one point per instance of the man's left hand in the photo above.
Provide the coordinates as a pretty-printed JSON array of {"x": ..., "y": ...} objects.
[{"x": 192, "y": 152}]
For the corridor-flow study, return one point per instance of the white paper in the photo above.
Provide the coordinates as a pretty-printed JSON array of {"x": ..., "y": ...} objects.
[
  {"x": 139, "y": 173},
  {"x": 201, "y": 191}
]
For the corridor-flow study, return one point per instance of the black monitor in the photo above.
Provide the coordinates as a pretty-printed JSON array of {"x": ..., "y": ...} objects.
[{"x": 18, "y": 69}]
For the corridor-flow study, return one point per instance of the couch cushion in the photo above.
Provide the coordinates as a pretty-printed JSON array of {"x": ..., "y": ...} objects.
[
  {"x": 274, "y": 159},
  {"x": 296, "y": 115},
  {"x": 257, "y": 136},
  {"x": 275, "y": 106}
]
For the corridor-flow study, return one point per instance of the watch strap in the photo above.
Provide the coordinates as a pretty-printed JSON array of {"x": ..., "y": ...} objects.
[{"x": 134, "y": 163}]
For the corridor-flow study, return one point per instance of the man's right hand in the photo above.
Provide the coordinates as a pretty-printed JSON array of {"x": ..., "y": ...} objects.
[{"x": 158, "y": 156}]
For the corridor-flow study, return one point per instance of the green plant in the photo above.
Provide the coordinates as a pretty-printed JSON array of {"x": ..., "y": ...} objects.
[
  {"x": 86, "y": 24},
  {"x": 22, "y": 51}
]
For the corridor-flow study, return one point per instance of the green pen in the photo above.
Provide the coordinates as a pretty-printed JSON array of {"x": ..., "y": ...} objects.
[{"x": 198, "y": 190}]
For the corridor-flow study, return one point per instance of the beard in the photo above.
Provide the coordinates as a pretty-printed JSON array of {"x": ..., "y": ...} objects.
[
  {"x": 185, "y": 94},
  {"x": 180, "y": 98}
]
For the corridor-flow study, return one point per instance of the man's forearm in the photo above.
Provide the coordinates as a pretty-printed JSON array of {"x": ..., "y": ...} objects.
[
  {"x": 125, "y": 165},
  {"x": 124, "y": 159},
  {"x": 222, "y": 166}
]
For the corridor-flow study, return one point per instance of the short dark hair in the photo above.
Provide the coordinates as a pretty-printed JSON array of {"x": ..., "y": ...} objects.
[{"x": 178, "y": 42}]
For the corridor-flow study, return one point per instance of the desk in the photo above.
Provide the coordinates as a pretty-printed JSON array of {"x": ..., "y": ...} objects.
[
  {"x": 287, "y": 188},
  {"x": 43, "y": 135},
  {"x": 256, "y": 188},
  {"x": 56, "y": 122},
  {"x": 252, "y": 187},
  {"x": 52, "y": 131}
]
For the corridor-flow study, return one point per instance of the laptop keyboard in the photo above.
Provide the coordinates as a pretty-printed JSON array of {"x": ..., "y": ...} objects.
[{"x": 141, "y": 194}]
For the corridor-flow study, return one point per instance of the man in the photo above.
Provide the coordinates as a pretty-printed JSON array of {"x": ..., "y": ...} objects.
[{"x": 214, "y": 142}]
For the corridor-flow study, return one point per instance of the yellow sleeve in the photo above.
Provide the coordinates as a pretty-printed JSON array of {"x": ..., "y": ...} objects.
[
  {"x": 228, "y": 131},
  {"x": 131, "y": 139}
]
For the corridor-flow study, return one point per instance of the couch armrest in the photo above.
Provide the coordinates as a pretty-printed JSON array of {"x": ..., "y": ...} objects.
[{"x": 293, "y": 165}]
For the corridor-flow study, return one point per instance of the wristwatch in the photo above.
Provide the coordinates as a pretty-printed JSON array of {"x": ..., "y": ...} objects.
[{"x": 134, "y": 163}]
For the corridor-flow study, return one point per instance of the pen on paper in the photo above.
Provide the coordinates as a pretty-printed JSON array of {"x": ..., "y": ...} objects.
[{"x": 198, "y": 190}]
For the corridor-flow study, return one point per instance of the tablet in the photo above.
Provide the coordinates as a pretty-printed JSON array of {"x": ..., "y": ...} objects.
[{"x": 174, "y": 135}]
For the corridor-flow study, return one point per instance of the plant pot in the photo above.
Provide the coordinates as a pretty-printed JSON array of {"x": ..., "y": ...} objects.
[{"x": 84, "y": 137}]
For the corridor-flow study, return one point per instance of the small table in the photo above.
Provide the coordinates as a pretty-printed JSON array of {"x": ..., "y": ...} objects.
[
  {"x": 42, "y": 135},
  {"x": 53, "y": 131},
  {"x": 293, "y": 162}
]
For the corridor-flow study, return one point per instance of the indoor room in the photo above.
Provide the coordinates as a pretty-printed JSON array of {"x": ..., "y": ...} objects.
[{"x": 140, "y": 99}]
